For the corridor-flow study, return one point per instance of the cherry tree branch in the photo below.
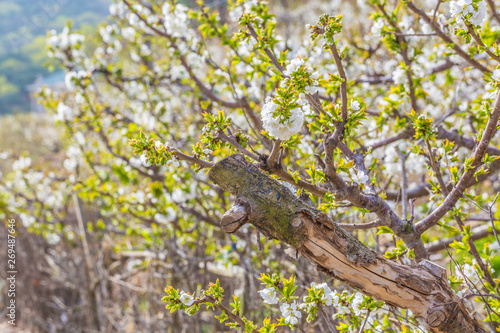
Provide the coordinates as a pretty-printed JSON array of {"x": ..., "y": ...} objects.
[
  {"x": 476, "y": 234},
  {"x": 360, "y": 226},
  {"x": 343, "y": 84},
  {"x": 457, "y": 191},
  {"x": 184, "y": 157},
  {"x": 237, "y": 319},
  {"x": 479, "y": 41},
  {"x": 446, "y": 38}
]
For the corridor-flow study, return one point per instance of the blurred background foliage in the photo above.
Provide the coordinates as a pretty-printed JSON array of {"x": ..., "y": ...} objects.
[{"x": 23, "y": 52}]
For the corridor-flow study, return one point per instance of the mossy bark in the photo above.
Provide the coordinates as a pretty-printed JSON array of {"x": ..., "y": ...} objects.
[{"x": 278, "y": 214}]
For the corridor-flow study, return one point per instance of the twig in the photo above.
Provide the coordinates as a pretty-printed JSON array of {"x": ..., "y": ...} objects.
[
  {"x": 184, "y": 157},
  {"x": 447, "y": 39},
  {"x": 476, "y": 233},
  {"x": 466, "y": 278},
  {"x": 328, "y": 323},
  {"x": 268, "y": 52},
  {"x": 479, "y": 41},
  {"x": 406, "y": 59},
  {"x": 362, "y": 226},
  {"x": 237, "y": 319},
  {"x": 343, "y": 84},
  {"x": 404, "y": 182},
  {"x": 88, "y": 260},
  {"x": 493, "y": 10},
  {"x": 483, "y": 295},
  {"x": 232, "y": 140},
  {"x": 436, "y": 10},
  {"x": 458, "y": 219},
  {"x": 490, "y": 208},
  {"x": 364, "y": 322},
  {"x": 414, "y": 35},
  {"x": 456, "y": 192}
]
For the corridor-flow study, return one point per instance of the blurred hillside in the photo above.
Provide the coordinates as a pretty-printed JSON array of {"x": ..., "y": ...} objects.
[{"x": 23, "y": 27}]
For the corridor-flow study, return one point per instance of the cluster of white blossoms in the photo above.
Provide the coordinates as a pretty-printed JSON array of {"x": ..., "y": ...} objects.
[
  {"x": 175, "y": 22},
  {"x": 74, "y": 155},
  {"x": 107, "y": 33},
  {"x": 64, "y": 112},
  {"x": 356, "y": 304},
  {"x": 243, "y": 8},
  {"x": 399, "y": 75},
  {"x": 144, "y": 160},
  {"x": 73, "y": 76},
  {"x": 27, "y": 220},
  {"x": 111, "y": 45},
  {"x": 278, "y": 126},
  {"x": 64, "y": 39},
  {"x": 461, "y": 8},
  {"x": 118, "y": 9},
  {"x": 283, "y": 126},
  {"x": 330, "y": 298},
  {"x": 290, "y": 313},
  {"x": 377, "y": 27},
  {"x": 355, "y": 106},
  {"x": 470, "y": 273},
  {"x": 359, "y": 177},
  {"x": 186, "y": 299},
  {"x": 128, "y": 33},
  {"x": 269, "y": 295},
  {"x": 496, "y": 75},
  {"x": 59, "y": 44},
  {"x": 22, "y": 163},
  {"x": 293, "y": 66}
]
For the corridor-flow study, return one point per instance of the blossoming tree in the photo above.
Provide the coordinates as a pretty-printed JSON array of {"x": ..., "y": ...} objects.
[{"x": 367, "y": 148}]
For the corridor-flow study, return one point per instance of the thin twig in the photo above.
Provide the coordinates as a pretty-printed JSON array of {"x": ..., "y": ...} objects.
[
  {"x": 232, "y": 140},
  {"x": 404, "y": 182},
  {"x": 414, "y": 34},
  {"x": 476, "y": 233},
  {"x": 483, "y": 295},
  {"x": 479, "y": 41},
  {"x": 447, "y": 39},
  {"x": 364, "y": 322},
  {"x": 490, "y": 208},
  {"x": 184, "y": 157},
  {"x": 436, "y": 10},
  {"x": 328, "y": 323},
  {"x": 456, "y": 193},
  {"x": 343, "y": 84},
  {"x": 361, "y": 226},
  {"x": 412, "y": 210}
]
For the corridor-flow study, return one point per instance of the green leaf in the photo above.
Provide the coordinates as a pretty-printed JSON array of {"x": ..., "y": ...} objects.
[{"x": 384, "y": 230}]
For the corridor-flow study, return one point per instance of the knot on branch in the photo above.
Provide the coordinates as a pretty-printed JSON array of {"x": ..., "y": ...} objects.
[
  {"x": 437, "y": 317},
  {"x": 406, "y": 227},
  {"x": 234, "y": 218}
]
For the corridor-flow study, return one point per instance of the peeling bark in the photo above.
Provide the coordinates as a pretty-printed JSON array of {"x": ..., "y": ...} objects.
[{"x": 277, "y": 213}]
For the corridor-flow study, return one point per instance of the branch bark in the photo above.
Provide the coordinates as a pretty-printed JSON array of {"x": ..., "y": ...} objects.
[{"x": 277, "y": 213}]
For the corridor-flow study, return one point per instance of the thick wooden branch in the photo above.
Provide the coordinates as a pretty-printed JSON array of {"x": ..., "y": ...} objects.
[{"x": 277, "y": 213}]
